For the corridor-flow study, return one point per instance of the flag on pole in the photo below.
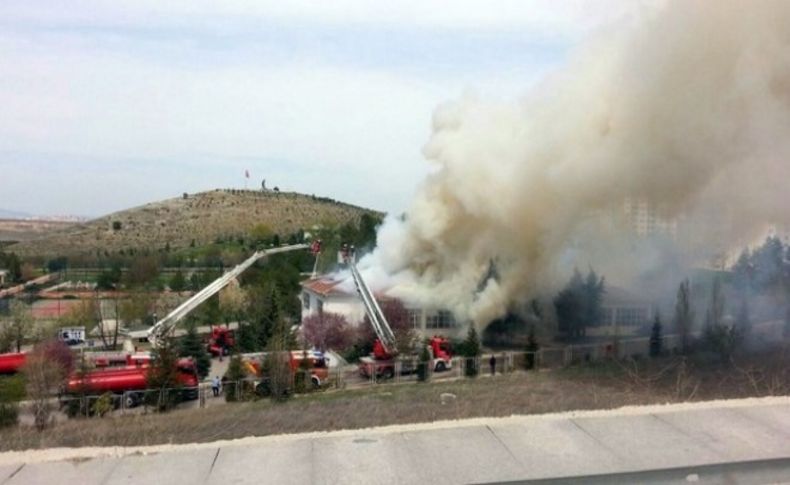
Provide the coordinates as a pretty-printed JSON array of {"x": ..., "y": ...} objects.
[{"x": 247, "y": 174}]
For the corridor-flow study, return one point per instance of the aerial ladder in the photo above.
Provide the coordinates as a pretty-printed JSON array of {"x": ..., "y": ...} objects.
[
  {"x": 385, "y": 346},
  {"x": 164, "y": 326},
  {"x": 382, "y": 363}
]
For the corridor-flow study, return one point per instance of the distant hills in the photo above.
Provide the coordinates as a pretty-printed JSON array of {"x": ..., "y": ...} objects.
[
  {"x": 193, "y": 219},
  {"x": 7, "y": 214}
]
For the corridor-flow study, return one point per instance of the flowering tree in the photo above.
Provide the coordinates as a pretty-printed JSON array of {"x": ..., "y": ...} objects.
[{"x": 327, "y": 331}]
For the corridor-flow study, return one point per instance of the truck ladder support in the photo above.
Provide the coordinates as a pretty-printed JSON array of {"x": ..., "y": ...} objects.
[
  {"x": 166, "y": 324},
  {"x": 377, "y": 319}
]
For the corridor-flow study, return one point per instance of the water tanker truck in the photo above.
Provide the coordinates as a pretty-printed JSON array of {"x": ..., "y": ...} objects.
[
  {"x": 11, "y": 363},
  {"x": 130, "y": 382}
]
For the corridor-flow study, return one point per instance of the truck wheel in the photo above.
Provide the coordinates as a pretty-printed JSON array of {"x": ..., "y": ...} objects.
[
  {"x": 263, "y": 389},
  {"x": 316, "y": 382},
  {"x": 440, "y": 366},
  {"x": 130, "y": 400},
  {"x": 388, "y": 373}
]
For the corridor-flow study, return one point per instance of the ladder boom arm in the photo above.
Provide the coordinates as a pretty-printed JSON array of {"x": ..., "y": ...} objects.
[
  {"x": 377, "y": 319},
  {"x": 166, "y": 324}
]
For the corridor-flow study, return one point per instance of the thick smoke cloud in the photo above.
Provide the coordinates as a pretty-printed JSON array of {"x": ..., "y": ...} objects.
[{"x": 687, "y": 108}]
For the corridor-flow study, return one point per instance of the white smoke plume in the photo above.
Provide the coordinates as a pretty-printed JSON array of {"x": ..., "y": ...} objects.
[{"x": 687, "y": 108}]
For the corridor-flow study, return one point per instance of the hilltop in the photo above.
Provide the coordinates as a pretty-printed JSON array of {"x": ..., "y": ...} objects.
[
  {"x": 26, "y": 229},
  {"x": 192, "y": 220}
]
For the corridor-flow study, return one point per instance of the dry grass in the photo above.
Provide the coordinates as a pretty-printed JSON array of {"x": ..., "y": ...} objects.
[
  {"x": 203, "y": 217},
  {"x": 603, "y": 386}
]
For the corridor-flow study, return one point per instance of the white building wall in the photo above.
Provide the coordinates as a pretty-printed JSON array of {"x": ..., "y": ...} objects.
[{"x": 354, "y": 311}]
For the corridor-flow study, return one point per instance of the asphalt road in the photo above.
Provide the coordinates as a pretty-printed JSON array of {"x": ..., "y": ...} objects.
[{"x": 743, "y": 440}]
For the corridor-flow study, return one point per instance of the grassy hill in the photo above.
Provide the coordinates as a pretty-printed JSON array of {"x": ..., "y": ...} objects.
[{"x": 193, "y": 220}]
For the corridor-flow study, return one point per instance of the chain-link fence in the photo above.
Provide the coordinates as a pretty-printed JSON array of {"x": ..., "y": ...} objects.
[
  {"x": 135, "y": 401},
  {"x": 367, "y": 373}
]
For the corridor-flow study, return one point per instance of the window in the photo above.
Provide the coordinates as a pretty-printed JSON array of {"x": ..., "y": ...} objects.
[
  {"x": 606, "y": 316},
  {"x": 414, "y": 318},
  {"x": 305, "y": 300},
  {"x": 441, "y": 319},
  {"x": 631, "y": 316}
]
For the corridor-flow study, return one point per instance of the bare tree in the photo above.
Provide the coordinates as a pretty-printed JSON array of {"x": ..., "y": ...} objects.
[
  {"x": 233, "y": 300},
  {"x": 84, "y": 314},
  {"x": 45, "y": 368},
  {"x": 21, "y": 323}
]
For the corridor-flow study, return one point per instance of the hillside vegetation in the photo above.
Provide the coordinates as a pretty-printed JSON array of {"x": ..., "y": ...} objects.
[{"x": 193, "y": 220}]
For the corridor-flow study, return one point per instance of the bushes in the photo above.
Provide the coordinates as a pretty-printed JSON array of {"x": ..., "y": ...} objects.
[
  {"x": 103, "y": 405},
  {"x": 12, "y": 390},
  {"x": 9, "y": 414}
]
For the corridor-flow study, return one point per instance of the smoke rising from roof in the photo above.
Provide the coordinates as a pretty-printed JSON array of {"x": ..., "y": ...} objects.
[{"x": 687, "y": 108}]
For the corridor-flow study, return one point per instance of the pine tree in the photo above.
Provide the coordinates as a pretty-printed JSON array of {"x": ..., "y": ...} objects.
[
  {"x": 684, "y": 315},
  {"x": 743, "y": 323},
  {"x": 423, "y": 368},
  {"x": 178, "y": 283},
  {"x": 656, "y": 337},
  {"x": 276, "y": 368},
  {"x": 191, "y": 345},
  {"x": 233, "y": 379},
  {"x": 786, "y": 329},
  {"x": 471, "y": 350},
  {"x": 303, "y": 377},
  {"x": 266, "y": 306},
  {"x": 247, "y": 337}
]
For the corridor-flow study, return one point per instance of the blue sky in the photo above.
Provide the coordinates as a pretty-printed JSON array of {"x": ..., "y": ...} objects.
[{"x": 109, "y": 105}]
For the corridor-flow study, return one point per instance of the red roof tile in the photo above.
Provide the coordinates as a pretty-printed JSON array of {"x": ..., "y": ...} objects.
[{"x": 324, "y": 286}]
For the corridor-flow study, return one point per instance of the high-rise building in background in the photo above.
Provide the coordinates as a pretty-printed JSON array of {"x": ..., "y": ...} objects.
[{"x": 646, "y": 219}]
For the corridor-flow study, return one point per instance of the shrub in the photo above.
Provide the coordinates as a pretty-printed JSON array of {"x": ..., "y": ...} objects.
[
  {"x": 12, "y": 390},
  {"x": 9, "y": 414},
  {"x": 102, "y": 405}
]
